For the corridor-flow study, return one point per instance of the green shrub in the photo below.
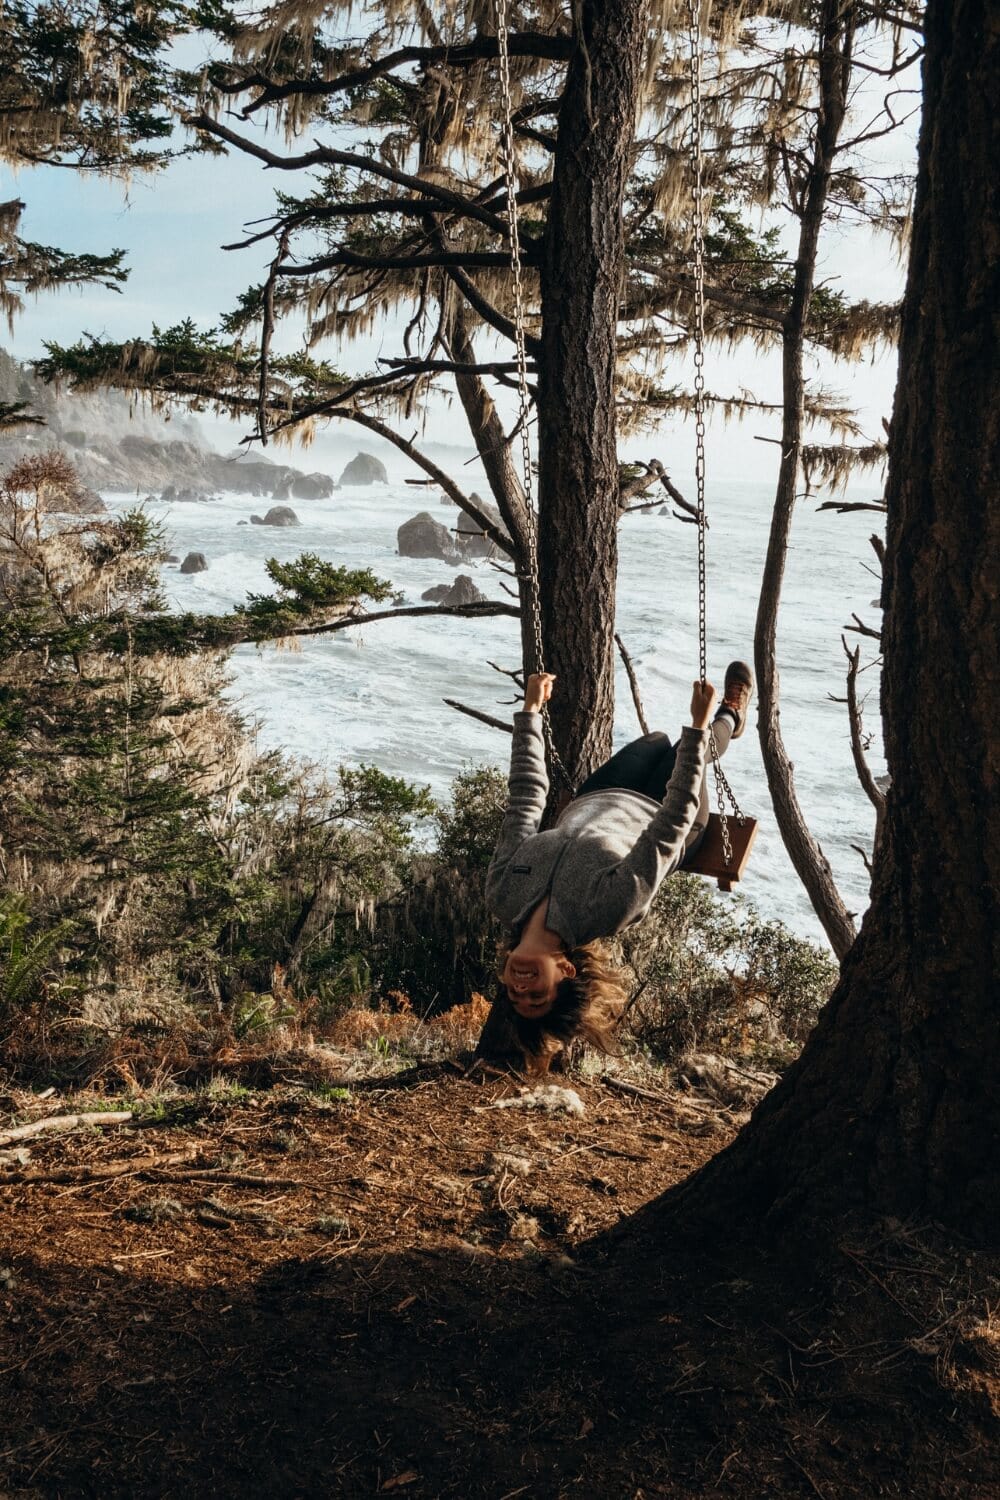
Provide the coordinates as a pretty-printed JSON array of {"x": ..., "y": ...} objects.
[{"x": 711, "y": 974}]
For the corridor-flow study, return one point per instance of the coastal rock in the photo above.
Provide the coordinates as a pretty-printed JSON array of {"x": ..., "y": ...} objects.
[
  {"x": 87, "y": 502},
  {"x": 312, "y": 486},
  {"x": 278, "y": 515},
  {"x": 171, "y": 557},
  {"x": 462, "y": 591},
  {"x": 422, "y": 536},
  {"x": 195, "y": 562},
  {"x": 185, "y": 495},
  {"x": 364, "y": 468},
  {"x": 471, "y": 541}
]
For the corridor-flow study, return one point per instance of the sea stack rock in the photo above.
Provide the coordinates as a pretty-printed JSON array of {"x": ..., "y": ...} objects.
[
  {"x": 312, "y": 487},
  {"x": 462, "y": 591},
  {"x": 195, "y": 562},
  {"x": 422, "y": 536},
  {"x": 472, "y": 542},
  {"x": 278, "y": 515},
  {"x": 364, "y": 468}
]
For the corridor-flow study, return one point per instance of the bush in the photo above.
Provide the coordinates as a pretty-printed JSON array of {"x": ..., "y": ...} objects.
[
  {"x": 710, "y": 974},
  {"x": 438, "y": 944}
]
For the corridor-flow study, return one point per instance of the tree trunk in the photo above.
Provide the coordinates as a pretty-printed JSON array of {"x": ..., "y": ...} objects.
[
  {"x": 581, "y": 281},
  {"x": 581, "y": 285},
  {"x": 894, "y": 1104},
  {"x": 836, "y": 34}
]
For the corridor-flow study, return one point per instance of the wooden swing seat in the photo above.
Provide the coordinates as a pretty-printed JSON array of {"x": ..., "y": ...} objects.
[{"x": 709, "y": 858}]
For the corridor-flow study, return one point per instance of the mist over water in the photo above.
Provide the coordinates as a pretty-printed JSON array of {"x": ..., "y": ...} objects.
[{"x": 376, "y": 694}]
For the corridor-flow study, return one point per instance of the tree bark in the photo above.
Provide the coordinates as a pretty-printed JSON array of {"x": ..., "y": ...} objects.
[
  {"x": 811, "y": 865},
  {"x": 894, "y": 1104},
  {"x": 581, "y": 285},
  {"x": 581, "y": 282}
]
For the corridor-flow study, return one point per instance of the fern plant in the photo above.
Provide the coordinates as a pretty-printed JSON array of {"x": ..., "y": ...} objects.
[{"x": 26, "y": 957}]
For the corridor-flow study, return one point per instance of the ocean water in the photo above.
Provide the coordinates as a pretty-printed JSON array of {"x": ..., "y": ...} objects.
[{"x": 375, "y": 694}]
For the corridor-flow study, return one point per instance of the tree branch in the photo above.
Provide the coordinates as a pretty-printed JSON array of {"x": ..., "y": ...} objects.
[
  {"x": 475, "y": 713},
  {"x": 859, "y": 628},
  {"x": 327, "y": 156},
  {"x": 488, "y": 312},
  {"x": 451, "y": 489},
  {"x": 548, "y": 46},
  {"x": 865, "y": 777},
  {"x": 474, "y": 259},
  {"x": 471, "y": 611},
  {"x": 633, "y": 683},
  {"x": 450, "y": 366}
]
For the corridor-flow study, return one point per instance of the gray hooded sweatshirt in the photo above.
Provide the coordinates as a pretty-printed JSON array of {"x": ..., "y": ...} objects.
[{"x": 602, "y": 863}]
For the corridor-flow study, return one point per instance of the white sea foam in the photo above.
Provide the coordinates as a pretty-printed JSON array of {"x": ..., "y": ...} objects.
[{"x": 377, "y": 695}]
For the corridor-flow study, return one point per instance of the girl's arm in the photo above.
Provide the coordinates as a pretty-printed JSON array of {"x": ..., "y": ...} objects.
[
  {"x": 528, "y": 782},
  {"x": 659, "y": 850}
]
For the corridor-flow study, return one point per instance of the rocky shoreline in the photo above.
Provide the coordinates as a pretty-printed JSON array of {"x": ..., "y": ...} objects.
[{"x": 115, "y": 446}]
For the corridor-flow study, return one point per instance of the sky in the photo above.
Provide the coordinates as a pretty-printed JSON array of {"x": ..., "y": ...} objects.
[{"x": 174, "y": 224}]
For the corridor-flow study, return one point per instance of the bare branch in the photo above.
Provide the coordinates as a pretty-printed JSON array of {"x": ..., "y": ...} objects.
[
  {"x": 690, "y": 511},
  {"x": 868, "y": 783},
  {"x": 859, "y": 628},
  {"x": 633, "y": 684},
  {"x": 475, "y": 713},
  {"x": 843, "y": 506}
]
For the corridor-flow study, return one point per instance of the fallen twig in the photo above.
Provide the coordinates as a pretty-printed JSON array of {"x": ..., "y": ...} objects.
[
  {"x": 91, "y": 1174},
  {"x": 635, "y": 1090},
  {"x": 65, "y": 1122},
  {"x": 238, "y": 1179}
]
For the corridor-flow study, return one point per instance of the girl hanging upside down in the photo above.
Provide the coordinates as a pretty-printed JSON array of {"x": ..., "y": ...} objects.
[{"x": 628, "y": 827}]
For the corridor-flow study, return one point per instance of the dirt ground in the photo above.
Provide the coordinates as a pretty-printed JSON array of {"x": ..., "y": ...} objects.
[{"x": 422, "y": 1288}]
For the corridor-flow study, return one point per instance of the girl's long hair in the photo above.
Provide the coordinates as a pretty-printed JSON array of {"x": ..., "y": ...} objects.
[{"x": 587, "y": 1007}]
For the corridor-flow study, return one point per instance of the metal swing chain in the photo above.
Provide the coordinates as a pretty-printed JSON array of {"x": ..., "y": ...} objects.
[
  {"x": 531, "y": 531},
  {"x": 722, "y": 787}
]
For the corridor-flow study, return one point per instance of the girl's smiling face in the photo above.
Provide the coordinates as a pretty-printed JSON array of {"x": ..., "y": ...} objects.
[{"x": 532, "y": 980}]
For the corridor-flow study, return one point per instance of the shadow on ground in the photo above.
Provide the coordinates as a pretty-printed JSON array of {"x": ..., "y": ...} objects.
[{"x": 658, "y": 1368}]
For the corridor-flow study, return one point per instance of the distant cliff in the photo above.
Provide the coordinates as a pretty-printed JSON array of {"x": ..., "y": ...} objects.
[{"x": 116, "y": 446}]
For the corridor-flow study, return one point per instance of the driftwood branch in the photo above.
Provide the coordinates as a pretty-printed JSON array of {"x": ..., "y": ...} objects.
[
  {"x": 633, "y": 683},
  {"x": 475, "y": 713}
]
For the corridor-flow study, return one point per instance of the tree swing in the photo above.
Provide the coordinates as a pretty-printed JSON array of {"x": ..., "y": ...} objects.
[{"x": 724, "y": 850}]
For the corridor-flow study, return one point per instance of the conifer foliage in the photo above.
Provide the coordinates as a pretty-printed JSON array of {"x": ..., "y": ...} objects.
[{"x": 154, "y": 860}]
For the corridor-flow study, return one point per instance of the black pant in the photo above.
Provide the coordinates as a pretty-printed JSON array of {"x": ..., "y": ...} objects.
[{"x": 646, "y": 764}]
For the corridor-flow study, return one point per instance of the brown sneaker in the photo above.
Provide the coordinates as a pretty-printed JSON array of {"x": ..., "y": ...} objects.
[{"x": 737, "y": 694}]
